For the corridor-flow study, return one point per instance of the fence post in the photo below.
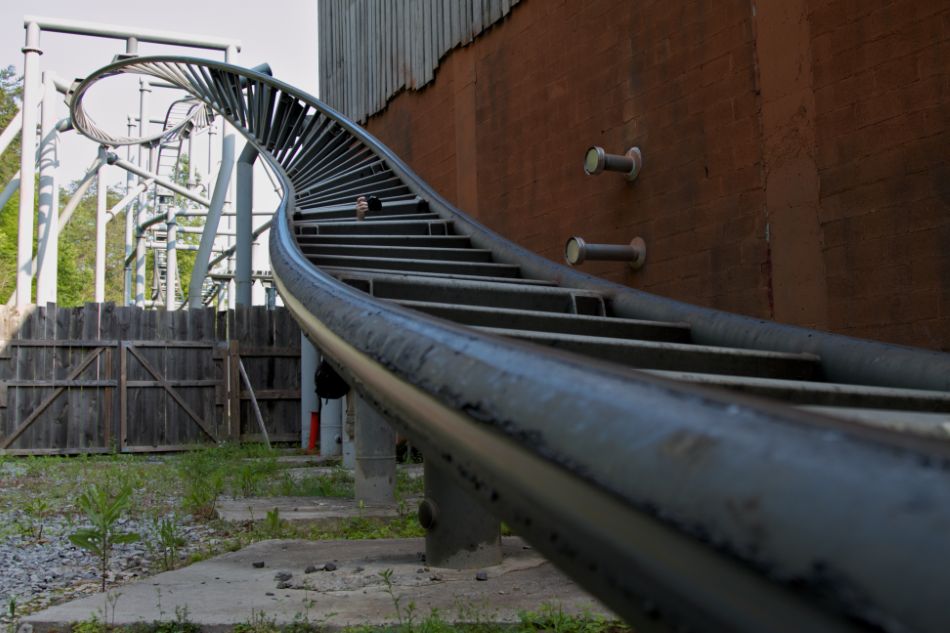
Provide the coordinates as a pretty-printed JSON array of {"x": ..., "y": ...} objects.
[
  {"x": 123, "y": 395},
  {"x": 107, "y": 396},
  {"x": 234, "y": 392}
]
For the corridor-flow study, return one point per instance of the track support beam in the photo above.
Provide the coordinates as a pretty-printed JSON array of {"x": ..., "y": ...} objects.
[
  {"x": 460, "y": 533},
  {"x": 375, "y": 442}
]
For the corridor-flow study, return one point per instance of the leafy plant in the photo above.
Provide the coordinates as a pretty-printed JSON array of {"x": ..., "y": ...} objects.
[
  {"x": 202, "y": 473},
  {"x": 551, "y": 618},
  {"x": 12, "y": 613},
  {"x": 91, "y": 625},
  {"x": 248, "y": 479},
  {"x": 338, "y": 483},
  {"x": 273, "y": 524},
  {"x": 35, "y": 511},
  {"x": 103, "y": 510},
  {"x": 166, "y": 540},
  {"x": 258, "y": 623},
  {"x": 405, "y": 622}
]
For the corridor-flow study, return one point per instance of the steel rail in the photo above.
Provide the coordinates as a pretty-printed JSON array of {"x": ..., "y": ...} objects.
[{"x": 673, "y": 503}]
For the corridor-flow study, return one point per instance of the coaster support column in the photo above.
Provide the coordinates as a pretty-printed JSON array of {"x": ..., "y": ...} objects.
[{"x": 460, "y": 533}]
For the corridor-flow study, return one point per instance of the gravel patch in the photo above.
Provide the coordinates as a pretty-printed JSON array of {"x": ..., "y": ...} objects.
[{"x": 39, "y": 572}]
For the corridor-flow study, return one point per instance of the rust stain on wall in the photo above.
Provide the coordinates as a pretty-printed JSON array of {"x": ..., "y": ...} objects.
[{"x": 793, "y": 150}]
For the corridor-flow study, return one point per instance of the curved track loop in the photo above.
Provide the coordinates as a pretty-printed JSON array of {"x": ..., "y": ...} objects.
[
  {"x": 674, "y": 503},
  {"x": 194, "y": 118}
]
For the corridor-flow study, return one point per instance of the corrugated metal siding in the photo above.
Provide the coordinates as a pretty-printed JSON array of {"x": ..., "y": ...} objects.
[{"x": 372, "y": 49}]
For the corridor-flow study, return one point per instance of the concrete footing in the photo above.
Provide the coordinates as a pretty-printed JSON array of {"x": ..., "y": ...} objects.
[{"x": 334, "y": 584}]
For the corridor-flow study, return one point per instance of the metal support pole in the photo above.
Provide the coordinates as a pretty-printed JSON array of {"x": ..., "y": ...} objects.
[
  {"x": 211, "y": 224},
  {"x": 375, "y": 456},
  {"x": 14, "y": 127},
  {"x": 308, "y": 386},
  {"x": 331, "y": 428},
  {"x": 230, "y": 53},
  {"x": 144, "y": 89},
  {"x": 171, "y": 259},
  {"x": 67, "y": 213},
  {"x": 101, "y": 219},
  {"x": 47, "y": 211},
  {"x": 460, "y": 533},
  {"x": 151, "y": 177},
  {"x": 191, "y": 161},
  {"x": 113, "y": 31},
  {"x": 126, "y": 201},
  {"x": 349, "y": 431},
  {"x": 9, "y": 190},
  {"x": 129, "y": 218},
  {"x": 31, "y": 89},
  {"x": 245, "y": 223}
]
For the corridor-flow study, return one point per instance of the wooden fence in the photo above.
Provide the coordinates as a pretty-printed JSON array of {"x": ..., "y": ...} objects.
[{"x": 103, "y": 378}]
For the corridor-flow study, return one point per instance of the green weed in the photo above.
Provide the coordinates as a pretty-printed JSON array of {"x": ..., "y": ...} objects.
[
  {"x": 203, "y": 476},
  {"x": 337, "y": 484},
  {"x": 165, "y": 540},
  {"x": 103, "y": 510}
]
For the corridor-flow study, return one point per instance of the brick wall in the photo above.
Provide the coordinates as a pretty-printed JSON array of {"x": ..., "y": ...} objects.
[
  {"x": 882, "y": 97},
  {"x": 795, "y": 161}
]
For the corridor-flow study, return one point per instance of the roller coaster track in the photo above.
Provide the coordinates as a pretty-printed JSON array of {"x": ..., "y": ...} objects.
[
  {"x": 178, "y": 114},
  {"x": 696, "y": 470}
]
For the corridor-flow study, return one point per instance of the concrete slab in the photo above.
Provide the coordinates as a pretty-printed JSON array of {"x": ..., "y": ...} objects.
[
  {"x": 412, "y": 471},
  {"x": 306, "y": 460},
  {"x": 306, "y": 510},
  {"x": 230, "y": 589}
]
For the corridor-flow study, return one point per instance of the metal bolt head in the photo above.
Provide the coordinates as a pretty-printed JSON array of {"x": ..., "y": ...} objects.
[
  {"x": 640, "y": 248},
  {"x": 594, "y": 160},
  {"x": 428, "y": 514},
  {"x": 575, "y": 251}
]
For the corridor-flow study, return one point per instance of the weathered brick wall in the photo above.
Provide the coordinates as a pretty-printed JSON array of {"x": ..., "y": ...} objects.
[
  {"x": 795, "y": 157},
  {"x": 882, "y": 97}
]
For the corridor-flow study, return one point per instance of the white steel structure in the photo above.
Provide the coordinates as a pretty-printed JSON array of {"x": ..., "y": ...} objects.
[{"x": 167, "y": 208}]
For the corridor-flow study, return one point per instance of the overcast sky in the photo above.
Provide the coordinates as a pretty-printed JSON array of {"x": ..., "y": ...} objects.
[{"x": 282, "y": 33}]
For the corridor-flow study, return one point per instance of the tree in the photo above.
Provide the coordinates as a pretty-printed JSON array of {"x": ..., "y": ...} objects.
[{"x": 11, "y": 90}]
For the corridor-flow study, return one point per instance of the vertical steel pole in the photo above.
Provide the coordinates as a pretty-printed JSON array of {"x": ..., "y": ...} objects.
[
  {"x": 144, "y": 89},
  {"x": 47, "y": 211},
  {"x": 171, "y": 257},
  {"x": 349, "y": 430},
  {"x": 129, "y": 217},
  {"x": 211, "y": 223},
  {"x": 245, "y": 222},
  {"x": 460, "y": 533},
  {"x": 191, "y": 161},
  {"x": 230, "y": 57},
  {"x": 375, "y": 456},
  {"x": 331, "y": 427},
  {"x": 211, "y": 134},
  {"x": 31, "y": 78},
  {"x": 101, "y": 219}
]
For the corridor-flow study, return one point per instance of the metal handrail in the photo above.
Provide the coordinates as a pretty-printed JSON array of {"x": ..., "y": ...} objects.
[{"x": 670, "y": 502}]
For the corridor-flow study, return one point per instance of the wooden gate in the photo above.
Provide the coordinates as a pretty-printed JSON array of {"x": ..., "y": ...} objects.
[{"x": 101, "y": 378}]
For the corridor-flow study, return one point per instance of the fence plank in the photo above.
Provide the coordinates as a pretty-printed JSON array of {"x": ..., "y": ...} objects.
[
  {"x": 123, "y": 397},
  {"x": 69, "y": 425}
]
